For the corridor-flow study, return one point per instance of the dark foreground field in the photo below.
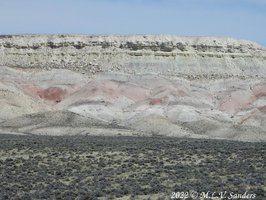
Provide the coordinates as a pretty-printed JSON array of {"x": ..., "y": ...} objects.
[{"x": 87, "y": 167}]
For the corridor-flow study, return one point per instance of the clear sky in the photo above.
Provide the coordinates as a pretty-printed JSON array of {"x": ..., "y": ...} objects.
[{"x": 233, "y": 18}]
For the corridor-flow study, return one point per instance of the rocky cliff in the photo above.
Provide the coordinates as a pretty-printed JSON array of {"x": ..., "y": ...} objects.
[{"x": 137, "y": 84}]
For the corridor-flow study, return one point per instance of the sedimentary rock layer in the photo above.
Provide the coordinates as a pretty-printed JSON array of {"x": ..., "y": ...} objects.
[{"x": 133, "y": 85}]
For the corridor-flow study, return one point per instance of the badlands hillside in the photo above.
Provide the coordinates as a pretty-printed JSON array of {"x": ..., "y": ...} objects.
[{"x": 193, "y": 87}]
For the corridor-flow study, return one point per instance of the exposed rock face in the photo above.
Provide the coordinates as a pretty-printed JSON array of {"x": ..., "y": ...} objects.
[{"x": 144, "y": 85}]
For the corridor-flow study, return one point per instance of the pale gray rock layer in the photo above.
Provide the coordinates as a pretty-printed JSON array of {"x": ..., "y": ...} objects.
[{"x": 199, "y": 87}]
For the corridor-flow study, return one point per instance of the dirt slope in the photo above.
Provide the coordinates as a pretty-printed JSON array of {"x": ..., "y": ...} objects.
[{"x": 199, "y": 87}]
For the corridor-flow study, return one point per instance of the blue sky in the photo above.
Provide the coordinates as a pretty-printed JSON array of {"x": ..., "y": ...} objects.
[{"x": 233, "y": 18}]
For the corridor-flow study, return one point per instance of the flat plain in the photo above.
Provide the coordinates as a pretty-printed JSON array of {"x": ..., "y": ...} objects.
[{"x": 97, "y": 167}]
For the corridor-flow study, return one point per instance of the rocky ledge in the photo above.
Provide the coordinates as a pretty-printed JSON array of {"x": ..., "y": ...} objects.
[{"x": 197, "y": 87}]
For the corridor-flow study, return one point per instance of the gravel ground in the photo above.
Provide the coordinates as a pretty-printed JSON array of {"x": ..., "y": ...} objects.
[{"x": 95, "y": 167}]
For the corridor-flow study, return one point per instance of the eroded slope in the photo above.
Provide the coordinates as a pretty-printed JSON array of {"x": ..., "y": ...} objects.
[{"x": 133, "y": 85}]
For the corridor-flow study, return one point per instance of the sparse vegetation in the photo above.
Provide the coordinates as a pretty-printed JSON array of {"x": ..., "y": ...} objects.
[{"x": 88, "y": 167}]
